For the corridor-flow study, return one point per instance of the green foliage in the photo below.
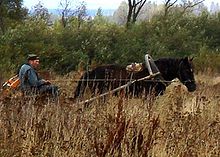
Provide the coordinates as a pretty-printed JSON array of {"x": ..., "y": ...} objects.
[
  {"x": 23, "y": 40},
  {"x": 40, "y": 12},
  {"x": 212, "y": 33},
  {"x": 98, "y": 41},
  {"x": 207, "y": 60},
  {"x": 11, "y": 14}
]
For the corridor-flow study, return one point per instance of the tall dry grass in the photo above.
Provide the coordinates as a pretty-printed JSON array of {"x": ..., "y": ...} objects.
[{"x": 176, "y": 124}]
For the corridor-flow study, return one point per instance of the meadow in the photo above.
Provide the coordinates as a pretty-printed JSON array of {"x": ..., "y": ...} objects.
[{"x": 177, "y": 124}]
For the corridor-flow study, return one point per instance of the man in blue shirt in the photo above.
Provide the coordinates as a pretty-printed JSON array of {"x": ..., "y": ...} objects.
[{"x": 30, "y": 83}]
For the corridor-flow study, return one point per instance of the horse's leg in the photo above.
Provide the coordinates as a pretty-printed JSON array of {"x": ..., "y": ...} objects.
[
  {"x": 138, "y": 89},
  {"x": 80, "y": 89},
  {"x": 159, "y": 89},
  {"x": 103, "y": 87},
  {"x": 93, "y": 87}
]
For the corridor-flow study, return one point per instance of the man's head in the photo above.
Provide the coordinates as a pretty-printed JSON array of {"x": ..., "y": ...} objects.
[{"x": 33, "y": 60}]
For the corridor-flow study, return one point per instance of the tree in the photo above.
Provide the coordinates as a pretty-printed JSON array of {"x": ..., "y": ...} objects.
[
  {"x": 184, "y": 5},
  {"x": 41, "y": 12},
  {"x": 120, "y": 15},
  {"x": 214, "y": 8},
  {"x": 81, "y": 13},
  {"x": 68, "y": 13},
  {"x": 134, "y": 8},
  {"x": 99, "y": 19},
  {"x": 11, "y": 13},
  {"x": 65, "y": 11}
]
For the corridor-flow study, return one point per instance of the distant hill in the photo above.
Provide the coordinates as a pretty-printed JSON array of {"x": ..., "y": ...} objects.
[{"x": 90, "y": 12}]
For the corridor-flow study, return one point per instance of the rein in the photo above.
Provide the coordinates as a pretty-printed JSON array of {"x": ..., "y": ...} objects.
[{"x": 150, "y": 64}]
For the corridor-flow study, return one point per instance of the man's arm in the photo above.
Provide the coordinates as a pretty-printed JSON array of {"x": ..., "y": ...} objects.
[{"x": 33, "y": 79}]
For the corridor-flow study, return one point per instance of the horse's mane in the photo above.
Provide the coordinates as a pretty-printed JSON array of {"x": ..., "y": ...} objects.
[
  {"x": 168, "y": 61},
  {"x": 111, "y": 66},
  {"x": 168, "y": 66}
]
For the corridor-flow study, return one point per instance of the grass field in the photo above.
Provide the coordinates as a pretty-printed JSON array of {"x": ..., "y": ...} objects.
[{"x": 177, "y": 124}]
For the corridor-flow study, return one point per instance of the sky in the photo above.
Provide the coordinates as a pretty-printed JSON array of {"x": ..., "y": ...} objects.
[{"x": 91, "y": 4}]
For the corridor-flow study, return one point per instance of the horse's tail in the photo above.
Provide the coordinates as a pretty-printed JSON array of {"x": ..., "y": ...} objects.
[{"x": 82, "y": 84}]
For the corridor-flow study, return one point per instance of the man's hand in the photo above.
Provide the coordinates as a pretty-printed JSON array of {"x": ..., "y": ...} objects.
[{"x": 47, "y": 82}]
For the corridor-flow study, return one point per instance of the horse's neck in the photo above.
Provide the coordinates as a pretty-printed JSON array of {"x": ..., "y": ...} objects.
[{"x": 168, "y": 68}]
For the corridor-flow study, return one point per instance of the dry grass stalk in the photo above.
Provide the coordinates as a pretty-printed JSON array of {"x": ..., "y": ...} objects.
[{"x": 188, "y": 125}]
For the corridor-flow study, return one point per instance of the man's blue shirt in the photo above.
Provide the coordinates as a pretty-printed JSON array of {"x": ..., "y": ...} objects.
[{"x": 29, "y": 78}]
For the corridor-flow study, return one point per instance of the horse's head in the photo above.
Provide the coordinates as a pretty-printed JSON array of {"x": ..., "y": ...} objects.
[{"x": 186, "y": 75}]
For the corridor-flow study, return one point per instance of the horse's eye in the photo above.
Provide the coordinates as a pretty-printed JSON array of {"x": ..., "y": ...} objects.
[{"x": 190, "y": 70}]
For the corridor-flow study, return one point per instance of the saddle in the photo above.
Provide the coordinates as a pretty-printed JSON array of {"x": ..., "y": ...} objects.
[{"x": 134, "y": 67}]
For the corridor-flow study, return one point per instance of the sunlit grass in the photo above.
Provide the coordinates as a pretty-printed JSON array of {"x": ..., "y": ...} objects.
[{"x": 176, "y": 124}]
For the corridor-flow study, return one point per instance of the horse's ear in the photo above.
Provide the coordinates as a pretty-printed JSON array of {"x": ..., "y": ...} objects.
[
  {"x": 191, "y": 59},
  {"x": 188, "y": 59}
]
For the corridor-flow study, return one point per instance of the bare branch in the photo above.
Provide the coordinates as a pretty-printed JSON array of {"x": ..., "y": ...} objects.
[
  {"x": 168, "y": 5},
  {"x": 190, "y": 5},
  {"x": 134, "y": 8}
]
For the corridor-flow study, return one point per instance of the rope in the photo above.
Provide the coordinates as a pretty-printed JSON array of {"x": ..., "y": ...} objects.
[{"x": 94, "y": 80}]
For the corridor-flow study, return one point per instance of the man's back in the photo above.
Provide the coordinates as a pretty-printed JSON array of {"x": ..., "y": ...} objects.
[
  {"x": 24, "y": 77},
  {"x": 30, "y": 81}
]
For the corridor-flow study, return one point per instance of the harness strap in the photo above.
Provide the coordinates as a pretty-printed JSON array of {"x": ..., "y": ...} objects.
[
  {"x": 119, "y": 88},
  {"x": 152, "y": 68}
]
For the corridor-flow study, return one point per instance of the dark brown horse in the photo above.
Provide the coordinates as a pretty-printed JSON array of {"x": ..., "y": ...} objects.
[{"x": 108, "y": 77}]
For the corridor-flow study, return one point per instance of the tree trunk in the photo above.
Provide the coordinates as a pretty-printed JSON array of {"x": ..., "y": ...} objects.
[
  {"x": 134, "y": 9},
  {"x": 130, "y": 8}
]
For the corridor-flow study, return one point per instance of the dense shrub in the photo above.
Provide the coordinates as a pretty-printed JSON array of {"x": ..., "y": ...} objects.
[{"x": 97, "y": 41}]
